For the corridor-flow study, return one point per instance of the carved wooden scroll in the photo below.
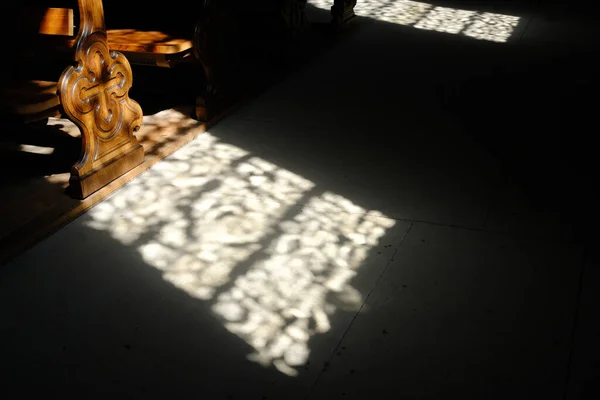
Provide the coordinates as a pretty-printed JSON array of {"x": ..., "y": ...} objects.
[{"x": 94, "y": 94}]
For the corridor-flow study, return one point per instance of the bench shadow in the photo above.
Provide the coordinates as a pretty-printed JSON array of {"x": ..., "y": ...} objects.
[{"x": 36, "y": 150}]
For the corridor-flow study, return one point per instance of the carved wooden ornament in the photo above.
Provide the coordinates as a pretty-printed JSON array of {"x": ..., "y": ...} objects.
[{"x": 94, "y": 94}]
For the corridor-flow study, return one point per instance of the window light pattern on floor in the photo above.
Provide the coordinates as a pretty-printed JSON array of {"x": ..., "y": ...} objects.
[
  {"x": 267, "y": 248},
  {"x": 478, "y": 25}
]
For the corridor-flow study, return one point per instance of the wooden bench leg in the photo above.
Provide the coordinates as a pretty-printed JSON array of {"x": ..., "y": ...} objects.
[
  {"x": 206, "y": 99},
  {"x": 94, "y": 94},
  {"x": 342, "y": 11}
]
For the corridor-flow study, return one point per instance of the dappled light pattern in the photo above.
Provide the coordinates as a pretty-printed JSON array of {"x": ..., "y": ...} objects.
[
  {"x": 474, "y": 24},
  {"x": 447, "y": 20},
  {"x": 271, "y": 253},
  {"x": 490, "y": 26},
  {"x": 282, "y": 301}
]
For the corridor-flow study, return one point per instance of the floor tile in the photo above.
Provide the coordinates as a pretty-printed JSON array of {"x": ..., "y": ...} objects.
[
  {"x": 405, "y": 178},
  {"x": 462, "y": 314},
  {"x": 584, "y": 375}
]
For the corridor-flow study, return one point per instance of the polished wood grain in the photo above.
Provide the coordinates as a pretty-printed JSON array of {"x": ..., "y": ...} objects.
[
  {"x": 156, "y": 42},
  {"x": 57, "y": 21},
  {"x": 95, "y": 96},
  {"x": 92, "y": 91},
  {"x": 168, "y": 37}
]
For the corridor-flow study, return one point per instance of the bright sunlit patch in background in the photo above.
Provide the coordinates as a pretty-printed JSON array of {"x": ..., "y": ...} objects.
[
  {"x": 477, "y": 25},
  {"x": 28, "y": 148},
  {"x": 264, "y": 246}
]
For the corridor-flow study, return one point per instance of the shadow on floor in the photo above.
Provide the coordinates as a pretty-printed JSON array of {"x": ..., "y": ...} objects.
[
  {"x": 500, "y": 116},
  {"x": 35, "y": 151}
]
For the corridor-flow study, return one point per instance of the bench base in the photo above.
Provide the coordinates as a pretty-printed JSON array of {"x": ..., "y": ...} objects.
[
  {"x": 81, "y": 186},
  {"x": 342, "y": 11}
]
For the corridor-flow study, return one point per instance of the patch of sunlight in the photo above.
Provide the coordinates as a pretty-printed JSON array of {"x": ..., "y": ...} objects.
[
  {"x": 265, "y": 247},
  {"x": 29, "y": 148},
  {"x": 478, "y": 25}
]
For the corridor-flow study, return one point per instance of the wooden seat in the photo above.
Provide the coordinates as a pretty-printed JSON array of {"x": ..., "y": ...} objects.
[
  {"x": 166, "y": 37},
  {"x": 151, "y": 48},
  {"x": 219, "y": 42},
  {"x": 134, "y": 41}
]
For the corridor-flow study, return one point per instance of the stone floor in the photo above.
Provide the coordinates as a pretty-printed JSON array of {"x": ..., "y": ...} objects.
[{"x": 408, "y": 216}]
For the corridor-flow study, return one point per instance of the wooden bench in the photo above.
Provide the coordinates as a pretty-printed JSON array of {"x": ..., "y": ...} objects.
[
  {"x": 174, "y": 35},
  {"x": 62, "y": 66},
  {"x": 205, "y": 36}
]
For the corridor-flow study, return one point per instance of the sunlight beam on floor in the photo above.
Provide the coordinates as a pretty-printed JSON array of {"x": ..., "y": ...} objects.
[
  {"x": 474, "y": 24},
  {"x": 264, "y": 246}
]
